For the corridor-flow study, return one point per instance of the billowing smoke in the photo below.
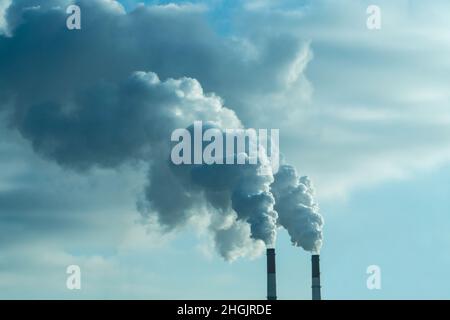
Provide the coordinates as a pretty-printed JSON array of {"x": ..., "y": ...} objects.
[
  {"x": 77, "y": 97},
  {"x": 113, "y": 124},
  {"x": 297, "y": 209},
  {"x": 233, "y": 194}
]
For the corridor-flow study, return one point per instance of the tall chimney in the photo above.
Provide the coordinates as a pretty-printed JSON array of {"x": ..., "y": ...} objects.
[
  {"x": 315, "y": 262},
  {"x": 271, "y": 275}
]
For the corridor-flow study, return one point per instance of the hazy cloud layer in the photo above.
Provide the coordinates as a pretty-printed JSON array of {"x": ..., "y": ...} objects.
[{"x": 379, "y": 108}]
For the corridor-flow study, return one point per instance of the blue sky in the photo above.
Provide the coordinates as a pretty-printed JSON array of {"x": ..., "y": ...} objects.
[{"x": 364, "y": 113}]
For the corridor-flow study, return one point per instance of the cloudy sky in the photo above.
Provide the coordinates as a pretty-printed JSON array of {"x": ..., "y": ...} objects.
[{"x": 364, "y": 113}]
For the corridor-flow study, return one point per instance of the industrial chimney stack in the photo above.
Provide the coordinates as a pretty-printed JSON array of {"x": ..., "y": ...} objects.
[
  {"x": 315, "y": 262},
  {"x": 271, "y": 275}
]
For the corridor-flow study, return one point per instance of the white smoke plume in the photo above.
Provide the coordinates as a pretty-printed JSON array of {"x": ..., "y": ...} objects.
[
  {"x": 82, "y": 109},
  {"x": 141, "y": 114},
  {"x": 297, "y": 209}
]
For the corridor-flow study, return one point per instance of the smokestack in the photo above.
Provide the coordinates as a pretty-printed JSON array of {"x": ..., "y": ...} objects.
[
  {"x": 271, "y": 275},
  {"x": 315, "y": 263}
]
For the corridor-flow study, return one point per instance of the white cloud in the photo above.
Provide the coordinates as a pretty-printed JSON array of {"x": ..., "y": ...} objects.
[
  {"x": 379, "y": 106},
  {"x": 4, "y": 4}
]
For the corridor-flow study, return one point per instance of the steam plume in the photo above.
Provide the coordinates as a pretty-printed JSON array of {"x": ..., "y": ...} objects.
[
  {"x": 297, "y": 209},
  {"x": 104, "y": 114},
  {"x": 141, "y": 113}
]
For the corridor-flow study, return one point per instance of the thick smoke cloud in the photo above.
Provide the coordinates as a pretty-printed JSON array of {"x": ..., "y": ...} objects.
[
  {"x": 46, "y": 62},
  {"x": 111, "y": 125},
  {"x": 298, "y": 211},
  {"x": 232, "y": 193},
  {"x": 78, "y": 98}
]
